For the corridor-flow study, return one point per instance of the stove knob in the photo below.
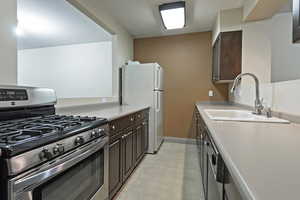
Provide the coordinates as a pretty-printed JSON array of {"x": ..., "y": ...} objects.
[
  {"x": 100, "y": 131},
  {"x": 93, "y": 134},
  {"x": 58, "y": 149},
  {"x": 45, "y": 154},
  {"x": 79, "y": 140}
]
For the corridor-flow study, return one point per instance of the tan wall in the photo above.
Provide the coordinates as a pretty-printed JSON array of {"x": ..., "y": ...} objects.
[{"x": 187, "y": 60}]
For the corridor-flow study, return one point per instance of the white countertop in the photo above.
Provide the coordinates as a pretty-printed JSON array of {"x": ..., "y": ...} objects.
[
  {"x": 263, "y": 158},
  {"x": 109, "y": 112}
]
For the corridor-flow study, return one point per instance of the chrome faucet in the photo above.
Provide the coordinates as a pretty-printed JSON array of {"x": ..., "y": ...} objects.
[{"x": 258, "y": 106}]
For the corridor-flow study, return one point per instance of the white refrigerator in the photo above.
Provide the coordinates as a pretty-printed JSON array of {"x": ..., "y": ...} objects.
[{"x": 142, "y": 84}]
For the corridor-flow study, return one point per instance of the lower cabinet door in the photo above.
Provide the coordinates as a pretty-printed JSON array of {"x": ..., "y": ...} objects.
[
  {"x": 213, "y": 187},
  {"x": 145, "y": 136},
  {"x": 139, "y": 143},
  {"x": 128, "y": 163},
  {"x": 115, "y": 167}
]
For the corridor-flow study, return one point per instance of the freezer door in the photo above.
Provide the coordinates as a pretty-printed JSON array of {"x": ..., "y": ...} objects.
[
  {"x": 159, "y": 75},
  {"x": 158, "y": 119},
  {"x": 138, "y": 85}
]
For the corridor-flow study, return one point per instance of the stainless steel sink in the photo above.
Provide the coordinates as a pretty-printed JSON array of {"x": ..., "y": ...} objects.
[{"x": 240, "y": 115}]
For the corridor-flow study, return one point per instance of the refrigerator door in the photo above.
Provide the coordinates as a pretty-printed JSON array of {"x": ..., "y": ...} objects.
[
  {"x": 158, "y": 118},
  {"x": 159, "y": 74}
]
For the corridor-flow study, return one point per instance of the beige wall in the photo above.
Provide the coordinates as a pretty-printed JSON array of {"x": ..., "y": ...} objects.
[
  {"x": 8, "y": 51},
  {"x": 187, "y": 61}
]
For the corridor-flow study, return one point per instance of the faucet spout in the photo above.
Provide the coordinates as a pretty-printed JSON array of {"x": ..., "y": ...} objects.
[{"x": 258, "y": 107}]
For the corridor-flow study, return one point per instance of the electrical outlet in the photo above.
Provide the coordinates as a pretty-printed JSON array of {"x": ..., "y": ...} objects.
[{"x": 210, "y": 93}]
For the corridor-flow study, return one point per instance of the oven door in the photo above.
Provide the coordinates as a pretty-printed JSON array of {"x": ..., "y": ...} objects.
[{"x": 81, "y": 174}]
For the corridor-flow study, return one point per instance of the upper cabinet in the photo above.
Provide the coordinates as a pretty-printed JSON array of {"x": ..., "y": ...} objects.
[
  {"x": 296, "y": 21},
  {"x": 227, "y": 45},
  {"x": 227, "y": 56},
  {"x": 255, "y": 10}
]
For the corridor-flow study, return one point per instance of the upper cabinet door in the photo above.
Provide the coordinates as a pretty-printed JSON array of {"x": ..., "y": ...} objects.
[
  {"x": 216, "y": 60},
  {"x": 296, "y": 21},
  {"x": 227, "y": 56}
]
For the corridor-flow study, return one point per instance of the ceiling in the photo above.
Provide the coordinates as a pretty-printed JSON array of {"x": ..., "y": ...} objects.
[
  {"x": 47, "y": 23},
  {"x": 141, "y": 17}
]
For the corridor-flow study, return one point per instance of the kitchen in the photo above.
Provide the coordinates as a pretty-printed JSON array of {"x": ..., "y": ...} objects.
[{"x": 159, "y": 99}]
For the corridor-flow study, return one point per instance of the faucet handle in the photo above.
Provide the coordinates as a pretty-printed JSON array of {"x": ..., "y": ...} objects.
[{"x": 268, "y": 111}]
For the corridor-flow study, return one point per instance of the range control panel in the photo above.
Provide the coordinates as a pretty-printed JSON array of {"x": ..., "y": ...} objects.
[{"x": 13, "y": 95}]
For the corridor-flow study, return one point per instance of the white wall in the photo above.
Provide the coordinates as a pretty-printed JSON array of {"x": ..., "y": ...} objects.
[
  {"x": 74, "y": 71},
  {"x": 257, "y": 58},
  {"x": 285, "y": 53},
  {"x": 122, "y": 46},
  {"x": 123, "y": 41},
  {"x": 8, "y": 46}
]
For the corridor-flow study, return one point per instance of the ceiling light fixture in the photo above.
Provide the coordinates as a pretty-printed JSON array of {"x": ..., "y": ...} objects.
[{"x": 173, "y": 15}]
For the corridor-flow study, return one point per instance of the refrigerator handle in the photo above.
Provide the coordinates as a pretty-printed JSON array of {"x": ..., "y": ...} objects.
[
  {"x": 157, "y": 103},
  {"x": 157, "y": 78}
]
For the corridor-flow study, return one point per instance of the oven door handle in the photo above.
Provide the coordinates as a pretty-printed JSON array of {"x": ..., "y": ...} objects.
[{"x": 47, "y": 171}]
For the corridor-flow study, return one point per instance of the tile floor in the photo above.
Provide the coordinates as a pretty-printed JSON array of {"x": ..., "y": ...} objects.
[{"x": 172, "y": 174}]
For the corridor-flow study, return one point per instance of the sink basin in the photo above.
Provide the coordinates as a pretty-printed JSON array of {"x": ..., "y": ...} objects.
[{"x": 240, "y": 115}]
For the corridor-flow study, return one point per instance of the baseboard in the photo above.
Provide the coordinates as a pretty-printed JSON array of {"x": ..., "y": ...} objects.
[{"x": 180, "y": 140}]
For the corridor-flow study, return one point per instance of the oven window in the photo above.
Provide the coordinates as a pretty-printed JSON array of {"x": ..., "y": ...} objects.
[{"x": 80, "y": 182}]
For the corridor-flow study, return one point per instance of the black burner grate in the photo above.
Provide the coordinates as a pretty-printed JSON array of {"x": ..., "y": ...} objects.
[{"x": 16, "y": 131}]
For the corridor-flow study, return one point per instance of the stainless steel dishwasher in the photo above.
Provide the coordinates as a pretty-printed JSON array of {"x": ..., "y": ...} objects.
[{"x": 215, "y": 171}]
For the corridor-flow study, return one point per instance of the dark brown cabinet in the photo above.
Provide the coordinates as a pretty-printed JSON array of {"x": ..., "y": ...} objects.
[
  {"x": 128, "y": 145},
  {"x": 128, "y": 162},
  {"x": 296, "y": 21},
  {"x": 145, "y": 137},
  {"x": 115, "y": 172},
  {"x": 227, "y": 56},
  {"x": 139, "y": 149}
]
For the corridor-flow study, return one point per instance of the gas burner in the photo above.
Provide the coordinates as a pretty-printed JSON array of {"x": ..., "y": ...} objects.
[{"x": 28, "y": 129}]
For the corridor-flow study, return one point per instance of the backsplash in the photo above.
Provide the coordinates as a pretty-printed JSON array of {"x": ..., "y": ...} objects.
[
  {"x": 283, "y": 97},
  {"x": 245, "y": 94}
]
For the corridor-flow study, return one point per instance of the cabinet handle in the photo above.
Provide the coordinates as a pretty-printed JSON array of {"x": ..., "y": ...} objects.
[
  {"x": 114, "y": 143},
  {"x": 124, "y": 136},
  {"x": 113, "y": 127},
  {"x": 139, "y": 116},
  {"x": 131, "y": 119}
]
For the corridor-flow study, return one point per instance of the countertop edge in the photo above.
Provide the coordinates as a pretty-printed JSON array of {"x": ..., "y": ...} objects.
[
  {"x": 127, "y": 113},
  {"x": 237, "y": 178},
  {"x": 109, "y": 112}
]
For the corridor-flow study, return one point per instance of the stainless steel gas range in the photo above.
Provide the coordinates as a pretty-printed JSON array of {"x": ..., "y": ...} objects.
[{"x": 44, "y": 156}]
